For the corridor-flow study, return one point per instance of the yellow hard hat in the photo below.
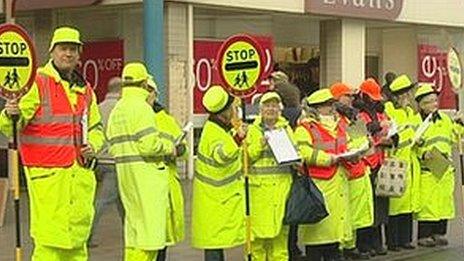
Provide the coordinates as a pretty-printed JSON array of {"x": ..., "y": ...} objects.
[
  {"x": 423, "y": 90},
  {"x": 65, "y": 35},
  {"x": 135, "y": 72},
  {"x": 319, "y": 96},
  {"x": 216, "y": 99},
  {"x": 401, "y": 82},
  {"x": 269, "y": 96},
  {"x": 151, "y": 83}
]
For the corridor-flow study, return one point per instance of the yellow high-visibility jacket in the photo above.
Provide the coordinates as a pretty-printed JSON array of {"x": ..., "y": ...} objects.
[
  {"x": 61, "y": 199},
  {"x": 218, "y": 204},
  {"x": 269, "y": 182},
  {"x": 407, "y": 122},
  {"x": 171, "y": 130},
  {"x": 337, "y": 226},
  {"x": 139, "y": 150},
  {"x": 437, "y": 192}
]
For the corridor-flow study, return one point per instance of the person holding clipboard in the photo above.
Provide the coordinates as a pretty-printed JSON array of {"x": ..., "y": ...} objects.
[
  {"x": 270, "y": 181},
  {"x": 321, "y": 140}
]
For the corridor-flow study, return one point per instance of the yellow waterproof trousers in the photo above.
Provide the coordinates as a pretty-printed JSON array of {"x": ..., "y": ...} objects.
[
  {"x": 47, "y": 253},
  {"x": 136, "y": 254},
  {"x": 271, "y": 249}
]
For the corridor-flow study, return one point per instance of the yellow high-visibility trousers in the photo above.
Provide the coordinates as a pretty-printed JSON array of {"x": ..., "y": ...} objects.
[
  {"x": 271, "y": 249},
  {"x": 48, "y": 253},
  {"x": 136, "y": 254}
]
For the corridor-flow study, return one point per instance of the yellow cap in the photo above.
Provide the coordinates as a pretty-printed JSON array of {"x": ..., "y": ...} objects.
[
  {"x": 134, "y": 72},
  {"x": 65, "y": 35},
  {"x": 269, "y": 96},
  {"x": 216, "y": 99},
  {"x": 424, "y": 89},
  {"x": 319, "y": 96},
  {"x": 151, "y": 83},
  {"x": 401, "y": 82}
]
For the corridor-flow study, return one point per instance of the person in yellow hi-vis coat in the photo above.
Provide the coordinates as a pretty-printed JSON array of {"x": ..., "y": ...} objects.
[
  {"x": 55, "y": 116},
  {"x": 436, "y": 189},
  {"x": 139, "y": 150},
  {"x": 361, "y": 196},
  {"x": 269, "y": 184},
  {"x": 171, "y": 130},
  {"x": 320, "y": 138},
  {"x": 401, "y": 209},
  {"x": 218, "y": 204}
]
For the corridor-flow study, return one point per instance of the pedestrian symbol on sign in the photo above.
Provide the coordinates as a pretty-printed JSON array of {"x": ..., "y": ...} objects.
[{"x": 12, "y": 79}]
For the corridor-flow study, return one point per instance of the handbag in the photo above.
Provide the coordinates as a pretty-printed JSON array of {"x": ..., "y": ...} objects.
[
  {"x": 390, "y": 181},
  {"x": 305, "y": 204}
]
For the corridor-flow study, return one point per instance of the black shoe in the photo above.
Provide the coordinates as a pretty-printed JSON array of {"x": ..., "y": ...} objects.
[
  {"x": 381, "y": 251},
  {"x": 364, "y": 255},
  {"x": 408, "y": 246},
  {"x": 394, "y": 248},
  {"x": 372, "y": 253},
  {"x": 426, "y": 242},
  {"x": 440, "y": 240}
]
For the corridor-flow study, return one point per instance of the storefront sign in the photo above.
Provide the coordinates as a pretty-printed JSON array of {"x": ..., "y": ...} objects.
[
  {"x": 433, "y": 68},
  {"x": 205, "y": 54},
  {"x": 17, "y": 61},
  {"x": 48, "y": 4},
  {"x": 454, "y": 69},
  {"x": 101, "y": 61},
  {"x": 372, "y": 9}
]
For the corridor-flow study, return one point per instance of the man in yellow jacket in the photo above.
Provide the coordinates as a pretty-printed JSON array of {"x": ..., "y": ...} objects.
[
  {"x": 60, "y": 132},
  {"x": 139, "y": 150},
  {"x": 218, "y": 205},
  {"x": 400, "y": 111},
  {"x": 436, "y": 189},
  {"x": 269, "y": 184},
  {"x": 172, "y": 131}
]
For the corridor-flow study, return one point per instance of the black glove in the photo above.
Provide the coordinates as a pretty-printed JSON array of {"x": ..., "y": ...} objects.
[{"x": 374, "y": 127}]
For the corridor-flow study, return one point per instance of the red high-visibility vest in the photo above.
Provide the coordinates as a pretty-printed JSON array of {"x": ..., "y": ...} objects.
[
  {"x": 376, "y": 159},
  {"x": 53, "y": 138},
  {"x": 322, "y": 140}
]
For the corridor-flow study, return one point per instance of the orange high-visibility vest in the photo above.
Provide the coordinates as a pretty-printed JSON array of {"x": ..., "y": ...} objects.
[
  {"x": 53, "y": 138},
  {"x": 322, "y": 140},
  {"x": 376, "y": 159}
]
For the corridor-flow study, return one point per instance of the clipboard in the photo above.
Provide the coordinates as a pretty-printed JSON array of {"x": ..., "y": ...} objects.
[
  {"x": 282, "y": 147},
  {"x": 438, "y": 164}
]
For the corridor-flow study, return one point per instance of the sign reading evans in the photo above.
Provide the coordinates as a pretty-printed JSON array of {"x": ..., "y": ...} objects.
[
  {"x": 241, "y": 64},
  {"x": 373, "y": 9},
  {"x": 17, "y": 61}
]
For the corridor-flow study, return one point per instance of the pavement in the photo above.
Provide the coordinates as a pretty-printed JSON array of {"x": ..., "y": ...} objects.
[{"x": 109, "y": 238}]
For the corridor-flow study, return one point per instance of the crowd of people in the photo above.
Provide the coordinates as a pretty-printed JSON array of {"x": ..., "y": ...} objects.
[{"x": 63, "y": 132}]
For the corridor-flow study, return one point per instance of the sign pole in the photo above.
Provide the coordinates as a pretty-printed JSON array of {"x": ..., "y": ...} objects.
[
  {"x": 14, "y": 163},
  {"x": 247, "y": 187}
]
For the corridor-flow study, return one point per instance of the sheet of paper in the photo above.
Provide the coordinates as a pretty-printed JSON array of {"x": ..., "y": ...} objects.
[
  {"x": 392, "y": 130},
  {"x": 281, "y": 146},
  {"x": 355, "y": 152},
  {"x": 422, "y": 128},
  {"x": 187, "y": 127}
]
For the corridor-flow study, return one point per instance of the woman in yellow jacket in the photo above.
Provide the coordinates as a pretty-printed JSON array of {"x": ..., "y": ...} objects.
[
  {"x": 436, "y": 189},
  {"x": 172, "y": 131},
  {"x": 269, "y": 184},
  {"x": 218, "y": 204},
  {"x": 320, "y": 138}
]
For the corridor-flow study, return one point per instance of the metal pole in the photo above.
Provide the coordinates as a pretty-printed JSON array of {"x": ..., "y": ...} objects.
[
  {"x": 247, "y": 189},
  {"x": 9, "y": 12}
]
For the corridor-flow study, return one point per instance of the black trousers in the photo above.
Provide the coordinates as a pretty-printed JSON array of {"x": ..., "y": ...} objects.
[
  {"x": 399, "y": 230},
  {"x": 293, "y": 241},
  {"x": 324, "y": 252},
  {"x": 369, "y": 238},
  {"x": 430, "y": 228},
  {"x": 161, "y": 255},
  {"x": 214, "y": 255}
]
